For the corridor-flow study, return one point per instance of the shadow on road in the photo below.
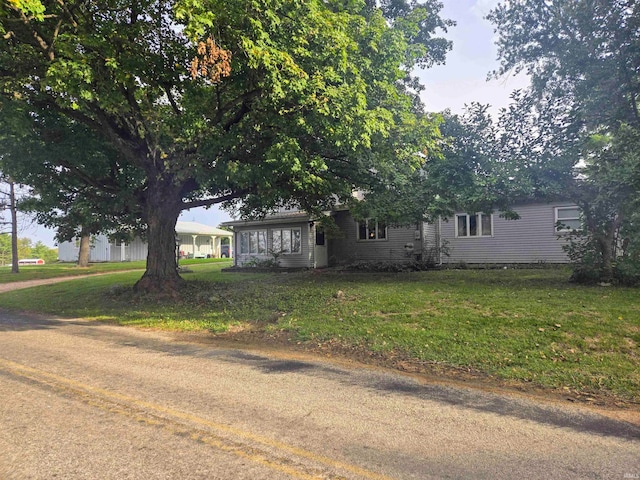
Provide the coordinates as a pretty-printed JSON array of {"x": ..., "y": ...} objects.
[{"x": 386, "y": 383}]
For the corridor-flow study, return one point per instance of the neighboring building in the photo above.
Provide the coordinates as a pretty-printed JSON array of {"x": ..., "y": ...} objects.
[
  {"x": 195, "y": 240},
  {"x": 475, "y": 239}
]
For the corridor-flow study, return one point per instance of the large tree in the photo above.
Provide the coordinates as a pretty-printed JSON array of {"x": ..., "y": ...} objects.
[
  {"x": 485, "y": 163},
  {"x": 66, "y": 163},
  {"x": 203, "y": 102},
  {"x": 586, "y": 55}
]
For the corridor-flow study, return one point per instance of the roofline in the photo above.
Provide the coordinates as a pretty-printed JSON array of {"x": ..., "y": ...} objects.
[{"x": 270, "y": 220}]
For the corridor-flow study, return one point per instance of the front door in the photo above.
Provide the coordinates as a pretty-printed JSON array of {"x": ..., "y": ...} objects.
[{"x": 320, "y": 250}]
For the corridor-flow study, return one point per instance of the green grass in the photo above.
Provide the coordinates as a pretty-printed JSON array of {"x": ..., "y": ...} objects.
[
  {"x": 517, "y": 325},
  {"x": 36, "y": 272}
]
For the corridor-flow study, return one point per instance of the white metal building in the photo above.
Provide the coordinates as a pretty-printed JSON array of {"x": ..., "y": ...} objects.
[{"x": 196, "y": 240}]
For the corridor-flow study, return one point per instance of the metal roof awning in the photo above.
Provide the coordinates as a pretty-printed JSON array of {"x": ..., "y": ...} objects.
[{"x": 194, "y": 228}]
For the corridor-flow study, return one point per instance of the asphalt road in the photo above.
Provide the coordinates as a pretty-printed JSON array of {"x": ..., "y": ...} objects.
[{"x": 81, "y": 400}]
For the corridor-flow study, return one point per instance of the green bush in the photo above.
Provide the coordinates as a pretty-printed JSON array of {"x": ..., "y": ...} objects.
[
  {"x": 587, "y": 262},
  {"x": 627, "y": 271},
  {"x": 390, "y": 267}
]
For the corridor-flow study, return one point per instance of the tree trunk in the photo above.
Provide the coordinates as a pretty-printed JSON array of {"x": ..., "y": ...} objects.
[
  {"x": 606, "y": 275},
  {"x": 14, "y": 228},
  {"x": 608, "y": 248},
  {"x": 85, "y": 250},
  {"x": 161, "y": 276}
]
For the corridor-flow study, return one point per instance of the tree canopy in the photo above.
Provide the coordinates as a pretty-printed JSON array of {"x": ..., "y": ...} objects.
[
  {"x": 585, "y": 56},
  {"x": 125, "y": 113},
  {"x": 587, "y": 52}
]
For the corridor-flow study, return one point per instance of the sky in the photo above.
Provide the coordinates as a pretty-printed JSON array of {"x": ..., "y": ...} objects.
[{"x": 462, "y": 80}]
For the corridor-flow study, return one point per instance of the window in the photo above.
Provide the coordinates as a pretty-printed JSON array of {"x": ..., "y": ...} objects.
[
  {"x": 254, "y": 242},
  {"x": 480, "y": 225},
  {"x": 568, "y": 219},
  {"x": 287, "y": 240},
  {"x": 320, "y": 240},
  {"x": 372, "y": 230}
]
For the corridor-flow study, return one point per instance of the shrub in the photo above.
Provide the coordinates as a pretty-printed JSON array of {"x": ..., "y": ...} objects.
[
  {"x": 390, "y": 267},
  {"x": 262, "y": 263}
]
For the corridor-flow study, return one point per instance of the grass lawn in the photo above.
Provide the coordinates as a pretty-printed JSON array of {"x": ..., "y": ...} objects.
[
  {"x": 522, "y": 326},
  {"x": 36, "y": 272}
]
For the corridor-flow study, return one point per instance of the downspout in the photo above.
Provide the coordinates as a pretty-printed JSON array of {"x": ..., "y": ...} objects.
[
  {"x": 421, "y": 229},
  {"x": 234, "y": 245},
  {"x": 439, "y": 240},
  {"x": 312, "y": 245}
]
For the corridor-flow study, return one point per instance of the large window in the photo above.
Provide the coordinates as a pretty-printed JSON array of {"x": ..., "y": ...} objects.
[
  {"x": 286, "y": 240},
  {"x": 479, "y": 225},
  {"x": 254, "y": 242},
  {"x": 568, "y": 219},
  {"x": 372, "y": 230}
]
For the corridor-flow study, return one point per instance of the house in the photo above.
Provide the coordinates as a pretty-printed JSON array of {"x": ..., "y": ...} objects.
[
  {"x": 295, "y": 237},
  {"x": 298, "y": 241},
  {"x": 195, "y": 240}
]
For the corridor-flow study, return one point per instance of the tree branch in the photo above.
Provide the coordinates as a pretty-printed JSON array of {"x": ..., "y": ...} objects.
[
  {"x": 221, "y": 199},
  {"x": 100, "y": 184},
  {"x": 37, "y": 36},
  {"x": 172, "y": 100},
  {"x": 70, "y": 15},
  {"x": 244, "y": 100}
]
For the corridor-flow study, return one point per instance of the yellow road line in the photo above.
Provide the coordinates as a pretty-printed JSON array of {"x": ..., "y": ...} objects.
[{"x": 82, "y": 389}]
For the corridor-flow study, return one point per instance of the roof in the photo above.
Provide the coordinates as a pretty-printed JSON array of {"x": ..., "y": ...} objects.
[
  {"x": 281, "y": 217},
  {"x": 194, "y": 228}
]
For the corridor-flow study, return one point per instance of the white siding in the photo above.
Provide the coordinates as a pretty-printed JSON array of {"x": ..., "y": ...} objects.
[
  {"x": 99, "y": 250},
  {"x": 207, "y": 243},
  {"x": 136, "y": 250},
  {"x": 531, "y": 239},
  {"x": 68, "y": 252}
]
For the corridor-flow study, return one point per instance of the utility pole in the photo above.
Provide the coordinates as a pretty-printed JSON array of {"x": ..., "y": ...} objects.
[
  {"x": 11, "y": 204},
  {"x": 14, "y": 228}
]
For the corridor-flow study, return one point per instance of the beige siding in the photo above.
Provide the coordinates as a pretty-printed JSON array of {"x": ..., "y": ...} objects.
[
  {"x": 349, "y": 249},
  {"x": 531, "y": 239},
  {"x": 293, "y": 260},
  {"x": 431, "y": 242}
]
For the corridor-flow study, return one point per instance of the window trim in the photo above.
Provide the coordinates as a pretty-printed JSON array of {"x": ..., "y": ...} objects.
[
  {"x": 248, "y": 233},
  {"x": 377, "y": 229},
  {"x": 478, "y": 223},
  {"x": 567, "y": 207},
  {"x": 290, "y": 229}
]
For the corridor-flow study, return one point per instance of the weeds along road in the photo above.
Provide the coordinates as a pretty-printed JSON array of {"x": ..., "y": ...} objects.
[{"x": 81, "y": 400}]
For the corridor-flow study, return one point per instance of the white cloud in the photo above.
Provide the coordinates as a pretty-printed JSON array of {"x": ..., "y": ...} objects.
[
  {"x": 482, "y": 7},
  {"x": 455, "y": 94}
]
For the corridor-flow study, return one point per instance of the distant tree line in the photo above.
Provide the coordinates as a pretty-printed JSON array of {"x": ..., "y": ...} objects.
[{"x": 26, "y": 249}]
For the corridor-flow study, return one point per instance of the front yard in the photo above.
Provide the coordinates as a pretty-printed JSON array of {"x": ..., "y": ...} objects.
[{"x": 528, "y": 328}]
